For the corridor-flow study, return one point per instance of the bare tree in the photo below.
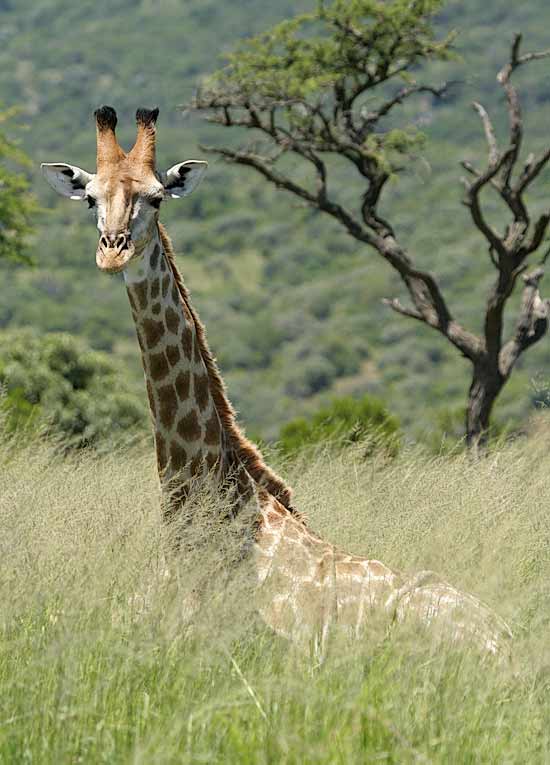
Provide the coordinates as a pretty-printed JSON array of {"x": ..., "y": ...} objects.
[{"x": 356, "y": 60}]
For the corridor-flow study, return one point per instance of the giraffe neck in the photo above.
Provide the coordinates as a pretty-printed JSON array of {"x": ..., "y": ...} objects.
[
  {"x": 189, "y": 437},
  {"x": 193, "y": 420}
]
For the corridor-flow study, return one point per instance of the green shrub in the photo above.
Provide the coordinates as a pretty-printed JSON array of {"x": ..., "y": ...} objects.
[
  {"x": 58, "y": 383},
  {"x": 311, "y": 375},
  {"x": 17, "y": 206},
  {"x": 345, "y": 421}
]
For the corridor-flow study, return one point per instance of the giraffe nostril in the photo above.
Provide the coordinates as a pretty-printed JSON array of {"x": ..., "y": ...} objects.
[{"x": 121, "y": 242}]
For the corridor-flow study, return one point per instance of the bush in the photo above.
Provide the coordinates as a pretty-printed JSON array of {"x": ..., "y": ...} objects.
[
  {"x": 314, "y": 374},
  {"x": 17, "y": 206},
  {"x": 56, "y": 382},
  {"x": 345, "y": 421}
]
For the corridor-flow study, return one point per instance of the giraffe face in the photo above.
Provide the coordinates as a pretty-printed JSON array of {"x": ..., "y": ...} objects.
[
  {"x": 127, "y": 190},
  {"x": 126, "y": 204}
]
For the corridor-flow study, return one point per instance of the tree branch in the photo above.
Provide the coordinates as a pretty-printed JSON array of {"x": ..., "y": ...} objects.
[
  {"x": 501, "y": 165},
  {"x": 468, "y": 344},
  {"x": 396, "y": 306},
  {"x": 531, "y": 171},
  {"x": 473, "y": 202},
  {"x": 489, "y": 134},
  {"x": 326, "y": 117},
  {"x": 264, "y": 166},
  {"x": 514, "y": 106},
  {"x": 532, "y": 323},
  {"x": 508, "y": 250},
  {"x": 370, "y": 119}
]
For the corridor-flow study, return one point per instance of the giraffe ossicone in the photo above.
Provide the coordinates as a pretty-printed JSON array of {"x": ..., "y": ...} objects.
[{"x": 306, "y": 585}]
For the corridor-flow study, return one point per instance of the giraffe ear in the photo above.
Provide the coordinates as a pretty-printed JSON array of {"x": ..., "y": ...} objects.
[
  {"x": 183, "y": 178},
  {"x": 67, "y": 180}
]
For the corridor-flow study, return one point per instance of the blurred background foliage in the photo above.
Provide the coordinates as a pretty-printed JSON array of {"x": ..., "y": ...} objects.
[
  {"x": 292, "y": 305},
  {"x": 365, "y": 422},
  {"x": 56, "y": 383},
  {"x": 17, "y": 205}
]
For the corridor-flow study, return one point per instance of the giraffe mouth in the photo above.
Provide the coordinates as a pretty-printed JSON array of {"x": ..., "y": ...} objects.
[{"x": 113, "y": 260}]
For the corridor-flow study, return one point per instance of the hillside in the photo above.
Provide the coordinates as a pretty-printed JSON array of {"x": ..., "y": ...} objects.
[{"x": 293, "y": 307}]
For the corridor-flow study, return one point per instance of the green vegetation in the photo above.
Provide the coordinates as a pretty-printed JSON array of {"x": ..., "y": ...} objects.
[
  {"x": 17, "y": 207},
  {"x": 329, "y": 87},
  {"x": 306, "y": 54},
  {"x": 346, "y": 421},
  {"x": 58, "y": 384},
  {"x": 105, "y": 658},
  {"x": 292, "y": 305},
  {"x": 100, "y": 663}
]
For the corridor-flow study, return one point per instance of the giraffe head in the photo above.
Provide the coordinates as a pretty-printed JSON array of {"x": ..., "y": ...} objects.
[{"x": 126, "y": 190}]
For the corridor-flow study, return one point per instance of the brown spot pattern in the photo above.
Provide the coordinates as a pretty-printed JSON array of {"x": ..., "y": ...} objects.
[
  {"x": 189, "y": 427},
  {"x": 172, "y": 320},
  {"x": 197, "y": 355},
  {"x": 155, "y": 257},
  {"x": 165, "y": 285},
  {"x": 175, "y": 294},
  {"x": 197, "y": 464},
  {"x": 154, "y": 330},
  {"x": 178, "y": 455},
  {"x": 212, "y": 460},
  {"x": 140, "y": 291},
  {"x": 182, "y": 385},
  {"x": 187, "y": 341},
  {"x": 155, "y": 288},
  {"x": 160, "y": 444},
  {"x": 168, "y": 405},
  {"x": 155, "y": 308},
  {"x": 151, "y": 397},
  {"x": 158, "y": 366},
  {"x": 378, "y": 569},
  {"x": 173, "y": 354},
  {"x": 202, "y": 392},
  {"x": 212, "y": 432}
]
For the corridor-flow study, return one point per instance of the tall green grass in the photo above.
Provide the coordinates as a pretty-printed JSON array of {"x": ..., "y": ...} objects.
[{"x": 100, "y": 660}]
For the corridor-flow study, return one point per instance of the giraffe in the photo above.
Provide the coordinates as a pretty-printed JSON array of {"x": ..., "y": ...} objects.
[{"x": 306, "y": 586}]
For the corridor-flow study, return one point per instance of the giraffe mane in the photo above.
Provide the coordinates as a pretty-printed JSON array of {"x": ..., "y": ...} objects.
[{"x": 249, "y": 454}]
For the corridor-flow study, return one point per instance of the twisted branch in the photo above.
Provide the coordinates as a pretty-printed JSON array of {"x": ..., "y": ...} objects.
[
  {"x": 333, "y": 123},
  {"x": 532, "y": 323}
]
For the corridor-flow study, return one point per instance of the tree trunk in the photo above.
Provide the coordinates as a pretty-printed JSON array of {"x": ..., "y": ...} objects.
[{"x": 487, "y": 382}]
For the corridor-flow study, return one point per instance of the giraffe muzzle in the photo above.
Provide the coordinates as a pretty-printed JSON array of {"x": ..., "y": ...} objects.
[{"x": 114, "y": 252}]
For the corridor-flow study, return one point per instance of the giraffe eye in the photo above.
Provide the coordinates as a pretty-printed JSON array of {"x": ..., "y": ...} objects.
[
  {"x": 155, "y": 202},
  {"x": 91, "y": 201}
]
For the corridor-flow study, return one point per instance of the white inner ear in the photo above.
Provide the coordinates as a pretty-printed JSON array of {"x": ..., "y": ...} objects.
[
  {"x": 68, "y": 180},
  {"x": 182, "y": 179}
]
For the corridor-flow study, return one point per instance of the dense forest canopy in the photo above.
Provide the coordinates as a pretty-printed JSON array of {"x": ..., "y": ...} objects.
[{"x": 293, "y": 307}]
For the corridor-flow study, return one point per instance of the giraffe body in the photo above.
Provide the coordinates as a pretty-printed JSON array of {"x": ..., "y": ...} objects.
[
  {"x": 312, "y": 587},
  {"x": 306, "y": 586}
]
